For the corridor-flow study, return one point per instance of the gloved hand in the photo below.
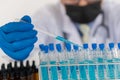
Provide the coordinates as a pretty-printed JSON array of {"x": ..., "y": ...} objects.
[{"x": 17, "y": 38}]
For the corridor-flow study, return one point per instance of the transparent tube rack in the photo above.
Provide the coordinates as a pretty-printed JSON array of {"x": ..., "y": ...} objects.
[
  {"x": 81, "y": 64},
  {"x": 88, "y": 74}
]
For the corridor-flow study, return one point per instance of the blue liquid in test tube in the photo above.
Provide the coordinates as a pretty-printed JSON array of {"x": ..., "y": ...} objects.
[
  {"x": 73, "y": 71},
  {"x": 117, "y": 68},
  {"x": 76, "y": 58},
  {"x": 110, "y": 71},
  {"x": 91, "y": 71},
  {"x": 44, "y": 71},
  {"x": 101, "y": 72},
  {"x": 118, "y": 61},
  {"x": 64, "y": 70},
  {"x": 82, "y": 70},
  {"x": 54, "y": 74}
]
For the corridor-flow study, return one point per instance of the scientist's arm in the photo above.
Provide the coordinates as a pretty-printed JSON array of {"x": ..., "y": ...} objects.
[
  {"x": 112, "y": 16},
  {"x": 17, "y": 38}
]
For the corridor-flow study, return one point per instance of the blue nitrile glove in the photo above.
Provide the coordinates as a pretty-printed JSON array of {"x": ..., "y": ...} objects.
[{"x": 17, "y": 38}]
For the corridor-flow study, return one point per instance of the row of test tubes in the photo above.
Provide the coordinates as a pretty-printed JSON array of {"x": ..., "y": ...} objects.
[{"x": 92, "y": 62}]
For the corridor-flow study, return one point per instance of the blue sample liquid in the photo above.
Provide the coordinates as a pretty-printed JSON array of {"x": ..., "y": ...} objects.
[
  {"x": 110, "y": 70},
  {"x": 44, "y": 71},
  {"x": 64, "y": 70},
  {"x": 101, "y": 72},
  {"x": 82, "y": 70},
  {"x": 100, "y": 69},
  {"x": 117, "y": 68},
  {"x": 73, "y": 70},
  {"x": 91, "y": 71},
  {"x": 53, "y": 70}
]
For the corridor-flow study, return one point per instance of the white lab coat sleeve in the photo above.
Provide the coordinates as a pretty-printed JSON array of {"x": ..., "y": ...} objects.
[
  {"x": 111, "y": 10},
  {"x": 115, "y": 20},
  {"x": 40, "y": 21}
]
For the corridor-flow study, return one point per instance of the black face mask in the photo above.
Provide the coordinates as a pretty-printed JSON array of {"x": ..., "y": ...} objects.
[{"x": 84, "y": 14}]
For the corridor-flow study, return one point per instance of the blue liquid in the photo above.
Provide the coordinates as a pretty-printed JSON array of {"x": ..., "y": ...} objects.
[
  {"x": 100, "y": 60},
  {"x": 110, "y": 70},
  {"x": 64, "y": 70},
  {"x": 44, "y": 71},
  {"x": 118, "y": 71},
  {"x": 54, "y": 74},
  {"x": 91, "y": 71},
  {"x": 101, "y": 72},
  {"x": 117, "y": 68},
  {"x": 100, "y": 69},
  {"x": 82, "y": 72},
  {"x": 73, "y": 71}
]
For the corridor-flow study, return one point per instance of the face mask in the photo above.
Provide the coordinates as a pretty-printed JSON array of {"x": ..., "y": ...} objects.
[{"x": 84, "y": 14}]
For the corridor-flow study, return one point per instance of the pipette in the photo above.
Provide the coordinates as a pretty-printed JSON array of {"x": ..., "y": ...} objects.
[{"x": 60, "y": 38}]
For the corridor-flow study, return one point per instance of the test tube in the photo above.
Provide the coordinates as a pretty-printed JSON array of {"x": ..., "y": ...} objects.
[
  {"x": 95, "y": 57},
  {"x": 91, "y": 67},
  {"x": 53, "y": 59},
  {"x": 115, "y": 56},
  {"x": 118, "y": 53},
  {"x": 71, "y": 60},
  {"x": 44, "y": 64},
  {"x": 82, "y": 67},
  {"x": 58, "y": 54},
  {"x": 77, "y": 58},
  {"x": 63, "y": 63},
  {"x": 110, "y": 72},
  {"x": 106, "y": 57},
  {"x": 101, "y": 68}
]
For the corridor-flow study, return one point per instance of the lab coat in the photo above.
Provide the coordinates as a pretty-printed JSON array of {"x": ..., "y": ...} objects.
[{"x": 54, "y": 20}]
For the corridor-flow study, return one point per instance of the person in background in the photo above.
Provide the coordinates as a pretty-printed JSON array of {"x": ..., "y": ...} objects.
[{"x": 80, "y": 21}]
